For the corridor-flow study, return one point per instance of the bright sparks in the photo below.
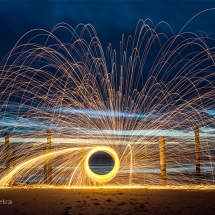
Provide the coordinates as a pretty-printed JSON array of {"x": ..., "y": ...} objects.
[{"x": 159, "y": 84}]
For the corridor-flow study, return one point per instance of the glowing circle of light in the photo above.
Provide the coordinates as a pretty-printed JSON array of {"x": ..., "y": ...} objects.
[{"x": 106, "y": 177}]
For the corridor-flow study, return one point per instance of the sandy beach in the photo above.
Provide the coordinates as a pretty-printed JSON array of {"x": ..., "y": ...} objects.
[{"x": 106, "y": 201}]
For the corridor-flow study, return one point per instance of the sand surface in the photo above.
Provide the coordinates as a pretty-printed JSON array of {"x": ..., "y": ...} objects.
[{"x": 106, "y": 201}]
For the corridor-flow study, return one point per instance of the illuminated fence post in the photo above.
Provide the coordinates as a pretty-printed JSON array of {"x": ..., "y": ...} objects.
[
  {"x": 162, "y": 160},
  {"x": 7, "y": 154},
  {"x": 14, "y": 163},
  {"x": 49, "y": 164},
  {"x": 45, "y": 165},
  {"x": 197, "y": 148},
  {"x": 82, "y": 168}
]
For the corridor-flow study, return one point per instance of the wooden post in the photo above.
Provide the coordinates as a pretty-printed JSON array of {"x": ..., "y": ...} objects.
[
  {"x": 162, "y": 160},
  {"x": 7, "y": 154},
  {"x": 131, "y": 166},
  {"x": 82, "y": 168},
  {"x": 14, "y": 164},
  {"x": 45, "y": 165},
  {"x": 197, "y": 149},
  {"x": 49, "y": 166}
]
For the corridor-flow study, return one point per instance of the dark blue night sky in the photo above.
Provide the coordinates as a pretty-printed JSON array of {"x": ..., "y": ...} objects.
[{"x": 111, "y": 19}]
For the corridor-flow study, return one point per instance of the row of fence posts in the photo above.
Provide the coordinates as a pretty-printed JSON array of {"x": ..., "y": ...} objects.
[
  {"x": 48, "y": 162},
  {"x": 163, "y": 157}
]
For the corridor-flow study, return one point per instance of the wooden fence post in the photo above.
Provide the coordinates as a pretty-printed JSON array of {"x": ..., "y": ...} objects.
[
  {"x": 162, "y": 160},
  {"x": 7, "y": 154},
  {"x": 197, "y": 149},
  {"x": 49, "y": 165}
]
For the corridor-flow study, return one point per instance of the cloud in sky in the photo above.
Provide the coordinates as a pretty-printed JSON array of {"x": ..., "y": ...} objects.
[
  {"x": 16, "y": 123},
  {"x": 11, "y": 119}
]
